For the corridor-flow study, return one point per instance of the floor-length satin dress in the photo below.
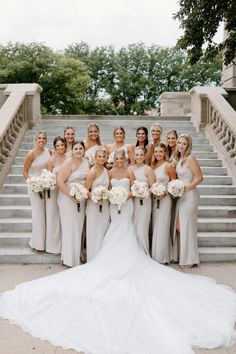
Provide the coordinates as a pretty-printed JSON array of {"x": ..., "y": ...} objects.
[
  {"x": 123, "y": 302},
  {"x": 38, "y": 238},
  {"x": 142, "y": 212},
  {"x": 97, "y": 222},
  {"x": 53, "y": 226},
  {"x": 72, "y": 220},
  {"x": 161, "y": 243},
  {"x": 186, "y": 248}
]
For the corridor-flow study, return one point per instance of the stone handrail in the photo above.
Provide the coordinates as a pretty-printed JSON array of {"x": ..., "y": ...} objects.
[
  {"x": 210, "y": 110},
  {"x": 19, "y": 111}
]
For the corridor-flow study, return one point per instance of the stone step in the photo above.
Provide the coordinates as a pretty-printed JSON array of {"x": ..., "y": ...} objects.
[
  {"x": 25, "y": 256},
  {"x": 14, "y": 199},
  {"x": 216, "y": 239},
  {"x": 217, "y": 200},
  {"x": 217, "y": 224},
  {"x": 217, "y": 254},
  {"x": 216, "y": 189},
  {"x": 14, "y": 239},
  {"x": 15, "y": 211},
  {"x": 15, "y": 224},
  {"x": 216, "y": 211}
]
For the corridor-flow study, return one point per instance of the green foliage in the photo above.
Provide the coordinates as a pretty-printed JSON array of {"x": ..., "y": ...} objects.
[
  {"x": 200, "y": 20},
  {"x": 102, "y": 80}
]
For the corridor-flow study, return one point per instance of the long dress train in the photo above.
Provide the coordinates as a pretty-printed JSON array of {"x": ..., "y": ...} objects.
[
  {"x": 123, "y": 302},
  {"x": 38, "y": 238}
]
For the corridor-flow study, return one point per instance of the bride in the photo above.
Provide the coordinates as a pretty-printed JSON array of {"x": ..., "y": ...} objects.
[{"x": 123, "y": 302}]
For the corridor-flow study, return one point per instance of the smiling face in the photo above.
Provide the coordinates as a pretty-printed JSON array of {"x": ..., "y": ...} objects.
[
  {"x": 182, "y": 145},
  {"x": 60, "y": 147},
  {"x": 139, "y": 156},
  {"x": 141, "y": 136},
  {"x": 171, "y": 140},
  {"x": 119, "y": 159},
  {"x": 159, "y": 153},
  {"x": 41, "y": 140},
  {"x": 119, "y": 135},
  {"x": 78, "y": 151},
  {"x": 156, "y": 133},
  {"x": 100, "y": 157},
  {"x": 93, "y": 133},
  {"x": 69, "y": 135}
]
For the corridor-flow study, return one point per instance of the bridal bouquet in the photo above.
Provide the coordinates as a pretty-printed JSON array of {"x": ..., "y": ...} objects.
[
  {"x": 48, "y": 181},
  {"x": 176, "y": 188},
  {"x": 78, "y": 192},
  {"x": 158, "y": 189},
  {"x": 99, "y": 194},
  {"x": 35, "y": 185},
  {"x": 140, "y": 190},
  {"x": 118, "y": 196}
]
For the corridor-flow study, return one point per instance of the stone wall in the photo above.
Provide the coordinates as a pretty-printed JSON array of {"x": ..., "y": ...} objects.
[{"x": 175, "y": 103}]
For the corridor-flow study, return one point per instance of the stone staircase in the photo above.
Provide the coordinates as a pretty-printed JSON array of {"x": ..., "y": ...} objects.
[{"x": 217, "y": 209}]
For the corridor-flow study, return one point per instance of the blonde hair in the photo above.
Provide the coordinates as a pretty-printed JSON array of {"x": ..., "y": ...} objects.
[
  {"x": 39, "y": 133},
  {"x": 99, "y": 149},
  {"x": 119, "y": 152},
  {"x": 177, "y": 155},
  {"x": 97, "y": 127},
  {"x": 156, "y": 125},
  {"x": 154, "y": 160}
]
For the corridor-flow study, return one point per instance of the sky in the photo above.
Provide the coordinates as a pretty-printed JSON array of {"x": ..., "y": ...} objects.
[{"x": 59, "y": 23}]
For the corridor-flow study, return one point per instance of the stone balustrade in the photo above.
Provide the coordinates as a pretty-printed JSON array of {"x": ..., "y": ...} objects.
[
  {"x": 210, "y": 110},
  {"x": 20, "y": 110}
]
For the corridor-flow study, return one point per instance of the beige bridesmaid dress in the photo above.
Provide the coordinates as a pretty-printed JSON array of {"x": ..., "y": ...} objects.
[
  {"x": 161, "y": 243},
  {"x": 142, "y": 213},
  {"x": 53, "y": 227},
  {"x": 72, "y": 220},
  {"x": 97, "y": 222},
  {"x": 38, "y": 237},
  {"x": 186, "y": 248}
]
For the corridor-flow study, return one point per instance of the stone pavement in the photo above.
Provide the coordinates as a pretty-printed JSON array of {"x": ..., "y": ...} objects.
[{"x": 13, "y": 340}]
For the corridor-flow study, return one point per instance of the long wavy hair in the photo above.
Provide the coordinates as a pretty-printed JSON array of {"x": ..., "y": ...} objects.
[
  {"x": 177, "y": 155},
  {"x": 91, "y": 125},
  {"x": 154, "y": 160},
  {"x": 174, "y": 132},
  {"x": 146, "y": 139}
]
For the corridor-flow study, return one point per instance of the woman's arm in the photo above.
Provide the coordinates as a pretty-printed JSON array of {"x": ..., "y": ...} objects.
[
  {"x": 49, "y": 165},
  {"x": 149, "y": 154},
  {"x": 89, "y": 180},
  {"x": 63, "y": 174},
  {"x": 170, "y": 171},
  {"x": 193, "y": 165},
  {"x": 150, "y": 176},
  {"x": 130, "y": 150},
  {"x": 27, "y": 163}
]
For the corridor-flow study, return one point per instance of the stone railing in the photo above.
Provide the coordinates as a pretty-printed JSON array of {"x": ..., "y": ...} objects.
[
  {"x": 211, "y": 111},
  {"x": 19, "y": 111}
]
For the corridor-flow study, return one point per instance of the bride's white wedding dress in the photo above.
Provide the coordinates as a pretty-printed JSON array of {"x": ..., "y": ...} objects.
[{"x": 123, "y": 302}]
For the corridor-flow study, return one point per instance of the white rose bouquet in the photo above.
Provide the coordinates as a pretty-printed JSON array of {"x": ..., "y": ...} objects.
[
  {"x": 158, "y": 189},
  {"x": 78, "y": 192},
  {"x": 140, "y": 190},
  {"x": 35, "y": 185},
  {"x": 176, "y": 188},
  {"x": 99, "y": 194},
  {"x": 91, "y": 159},
  {"x": 118, "y": 196},
  {"x": 48, "y": 181},
  {"x": 110, "y": 160}
]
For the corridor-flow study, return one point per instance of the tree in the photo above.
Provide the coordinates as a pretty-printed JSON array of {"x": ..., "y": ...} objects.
[{"x": 200, "y": 20}]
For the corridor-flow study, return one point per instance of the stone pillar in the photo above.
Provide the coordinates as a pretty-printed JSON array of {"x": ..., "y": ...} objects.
[{"x": 175, "y": 103}]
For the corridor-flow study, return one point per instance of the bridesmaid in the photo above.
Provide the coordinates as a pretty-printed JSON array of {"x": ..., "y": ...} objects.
[
  {"x": 142, "y": 213},
  {"x": 161, "y": 217},
  {"x": 74, "y": 169},
  {"x": 69, "y": 136},
  {"x": 142, "y": 140},
  {"x": 188, "y": 171},
  {"x": 156, "y": 131},
  {"x": 53, "y": 228},
  {"x": 119, "y": 143},
  {"x": 171, "y": 139},
  {"x": 35, "y": 161},
  {"x": 96, "y": 222},
  {"x": 92, "y": 142}
]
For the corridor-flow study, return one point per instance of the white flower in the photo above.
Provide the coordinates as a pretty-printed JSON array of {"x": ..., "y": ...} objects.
[
  {"x": 78, "y": 191},
  {"x": 48, "y": 180},
  {"x": 35, "y": 184},
  {"x": 176, "y": 188},
  {"x": 110, "y": 160},
  {"x": 99, "y": 193},
  {"x": 118, "y": 196},
  {"x": 140, "y": 190},
  {"x": 91, "y": 159},
  {"x": 158, "y": 189}
]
